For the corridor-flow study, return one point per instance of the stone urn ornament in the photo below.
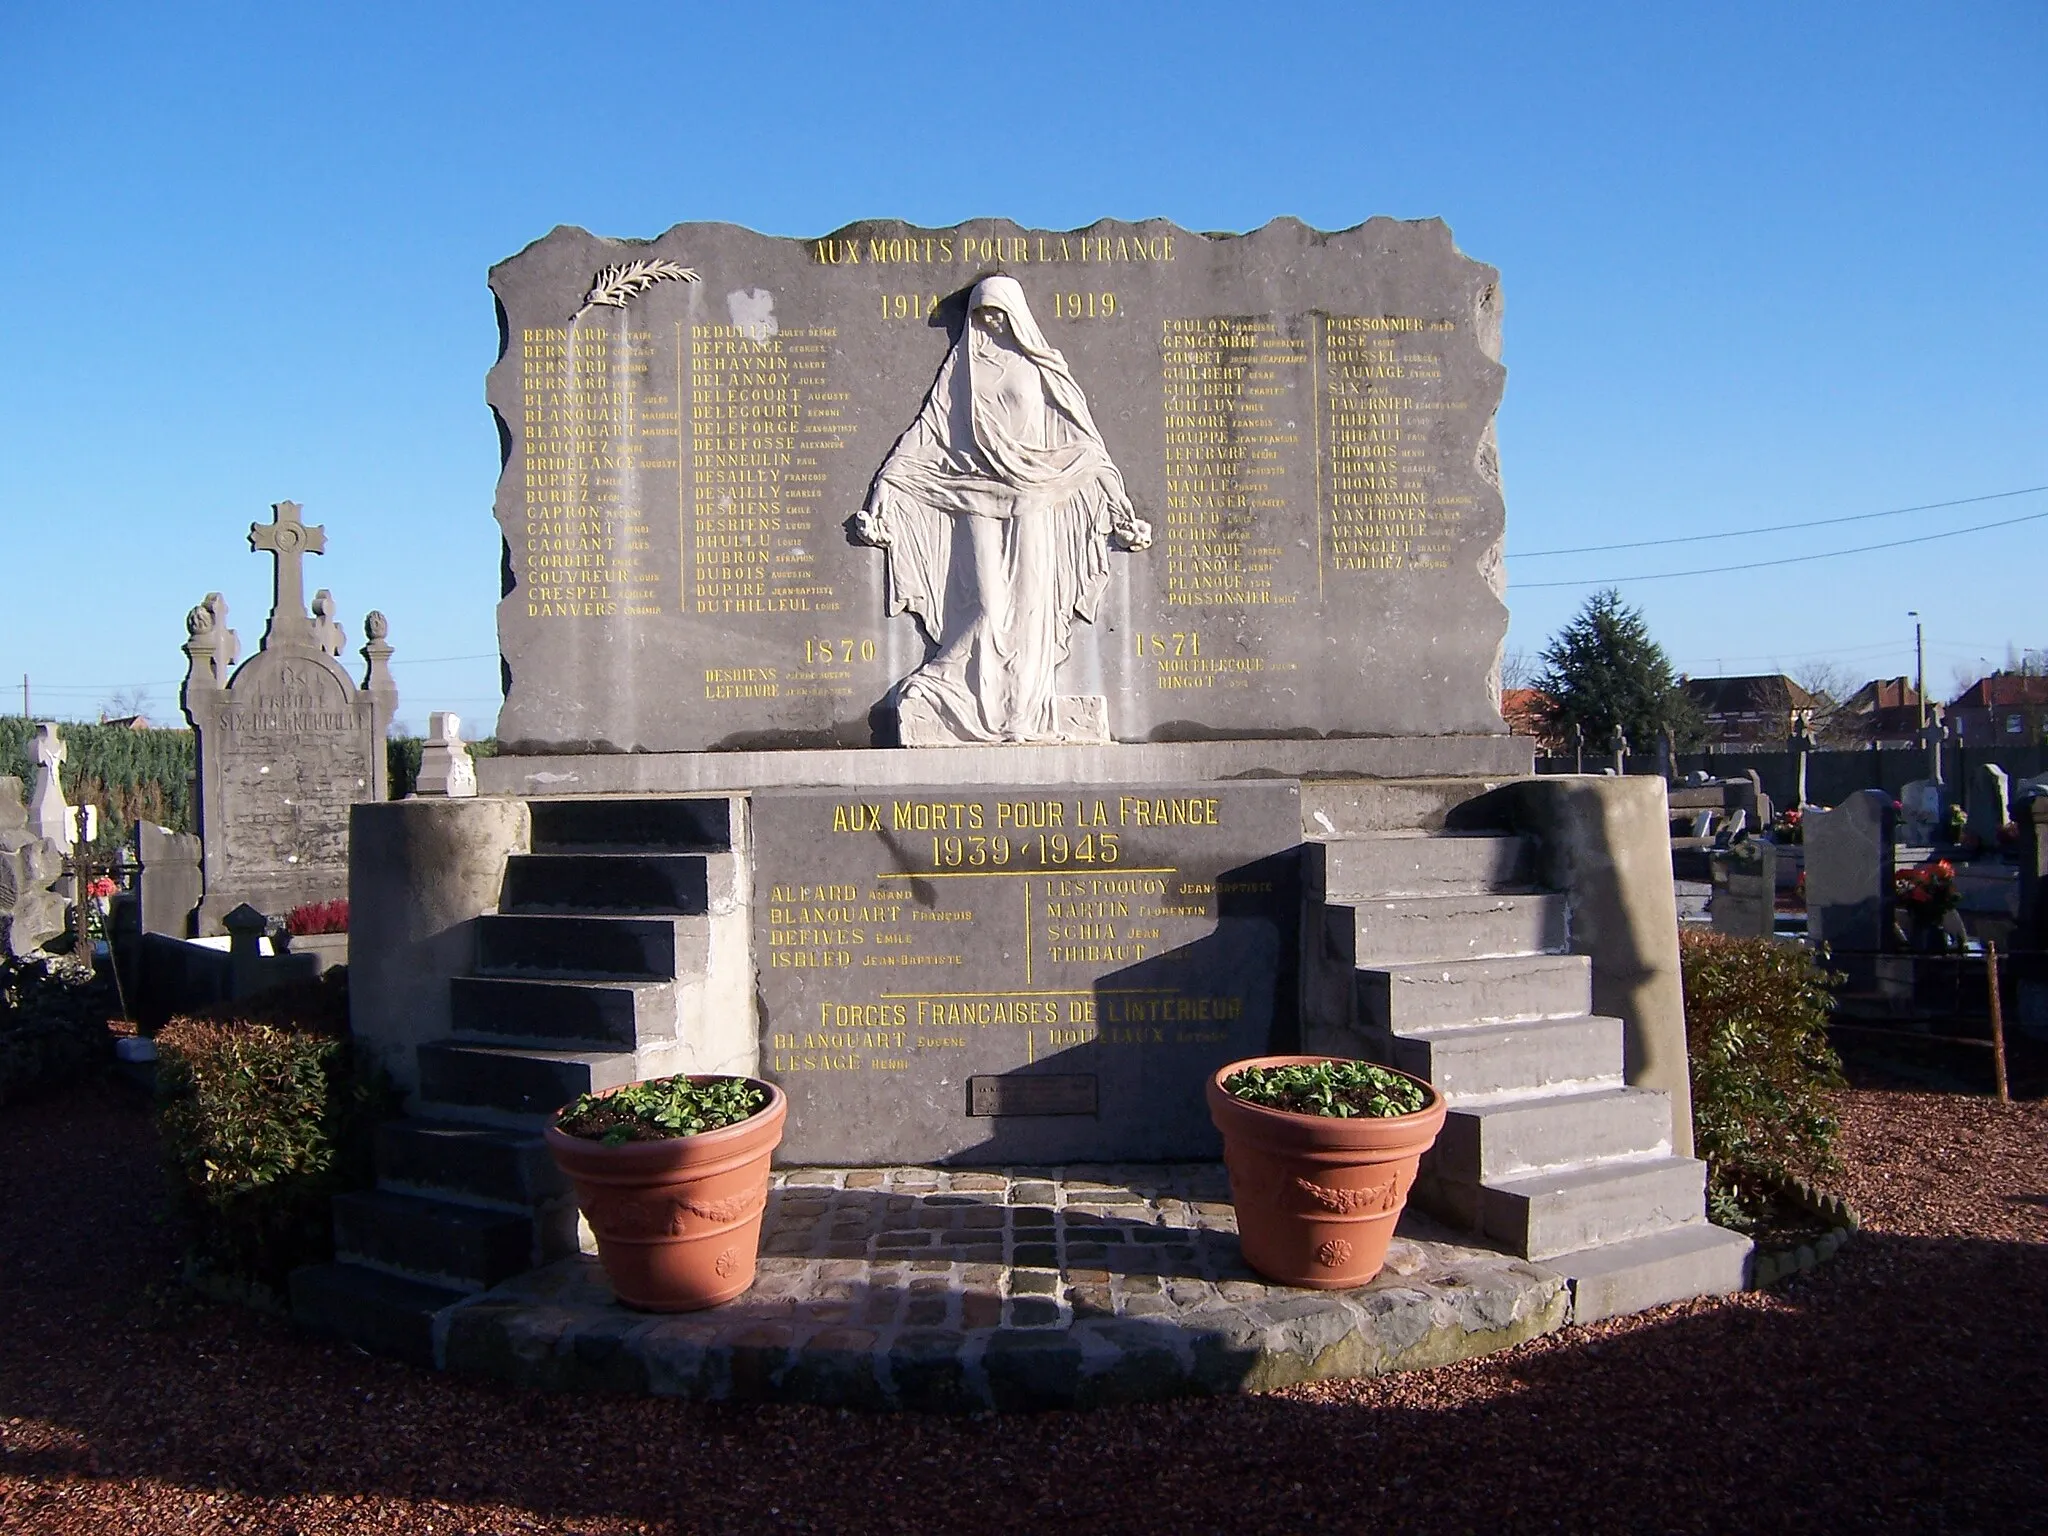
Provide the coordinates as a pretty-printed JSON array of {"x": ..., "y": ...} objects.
[
  {"x": 1322, "y": 1153},
  {"x": 672, "y": 1175}
]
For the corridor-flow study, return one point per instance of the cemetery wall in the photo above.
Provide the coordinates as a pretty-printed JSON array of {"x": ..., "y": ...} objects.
[{"x": 1831, "y": 777}]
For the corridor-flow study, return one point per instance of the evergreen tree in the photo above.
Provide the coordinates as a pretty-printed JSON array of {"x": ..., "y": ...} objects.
[{"x": 1604, "y": 669}]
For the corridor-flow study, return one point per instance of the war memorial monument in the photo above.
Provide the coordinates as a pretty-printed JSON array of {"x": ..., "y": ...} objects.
[{"x": 983, "y": 680}]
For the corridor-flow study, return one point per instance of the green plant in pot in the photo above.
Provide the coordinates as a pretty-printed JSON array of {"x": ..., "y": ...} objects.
[
  {"x": 1322, "y": 1153},
  {"x": 672, "y": 1175}
]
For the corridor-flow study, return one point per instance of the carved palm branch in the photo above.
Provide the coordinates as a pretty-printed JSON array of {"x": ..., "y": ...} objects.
[{"x": 614, "y": 286}]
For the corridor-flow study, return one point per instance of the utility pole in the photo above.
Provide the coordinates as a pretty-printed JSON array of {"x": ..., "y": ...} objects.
[
  {"x": 1919, "y": 665},
  {"x": 24, "y": 697}
]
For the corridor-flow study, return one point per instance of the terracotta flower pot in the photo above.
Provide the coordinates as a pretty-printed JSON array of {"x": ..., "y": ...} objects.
[
  {"x": 678, "y": 1222},
  {"x": 1317, "y": 1196}
]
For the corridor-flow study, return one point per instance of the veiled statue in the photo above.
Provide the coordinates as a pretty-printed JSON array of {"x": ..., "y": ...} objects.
[{"x": 998, "y": 510}]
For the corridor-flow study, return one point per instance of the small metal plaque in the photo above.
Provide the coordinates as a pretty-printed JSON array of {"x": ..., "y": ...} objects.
[{"x": 1032, "y": 1093}]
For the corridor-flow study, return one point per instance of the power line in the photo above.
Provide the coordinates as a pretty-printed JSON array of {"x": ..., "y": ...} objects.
[
  {"x": 1743, "y": 533},
  {"x": 1758, "y": 565}
]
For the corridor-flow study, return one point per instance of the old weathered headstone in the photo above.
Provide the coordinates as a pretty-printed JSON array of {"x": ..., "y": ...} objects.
[
  {"x": 169, "y": 883},
  {"x": 1746, "y": 889},
  {"x": 48, "y": 815},
  {"x": 1849, "y": 872},
  {"x": 1923, "y": 813},
  {"x": 31, "y": 865},
  {"x": 445, "y": 767},
  {"x": 285, "y": 745},
  {"x": 1988, "y": 801},
  {"x": 1006, "y": 975},
  {"x": 990, "y": 484}
]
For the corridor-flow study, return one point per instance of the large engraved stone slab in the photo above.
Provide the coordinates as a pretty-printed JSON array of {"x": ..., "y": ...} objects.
[
  {"x": 286, "y": 742},
  {"x": 1231, "y": 486},
  {"x": 1014, "y": 975}
]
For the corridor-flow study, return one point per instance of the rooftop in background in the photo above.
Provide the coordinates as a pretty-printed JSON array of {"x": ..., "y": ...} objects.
[
  {"x": 2004, "y": 709},
  {"x": 1749, "y": 710}
]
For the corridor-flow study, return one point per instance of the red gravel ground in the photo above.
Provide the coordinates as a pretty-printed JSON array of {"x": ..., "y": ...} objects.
[{"x": 1900, "y": 1388}]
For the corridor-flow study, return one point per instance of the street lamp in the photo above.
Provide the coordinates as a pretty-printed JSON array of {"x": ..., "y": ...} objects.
[{"x": 1919, "y": 665}]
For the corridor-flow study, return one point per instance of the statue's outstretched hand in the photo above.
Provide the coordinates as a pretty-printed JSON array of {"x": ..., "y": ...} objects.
[
  {"x": 868, "y": 526},
  {"x": 1127, "y": 530}
]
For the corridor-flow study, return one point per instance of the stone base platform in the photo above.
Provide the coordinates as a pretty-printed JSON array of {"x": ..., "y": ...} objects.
[{"x": 951, "y": 1291}]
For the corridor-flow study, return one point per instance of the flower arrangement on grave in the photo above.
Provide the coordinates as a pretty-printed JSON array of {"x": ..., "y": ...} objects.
[
  {"x": 1322, "y": 1154},
  {"x": 317, "y": 917},
  {"x": 1926, "y": 894},
  {"x": 672, "y": 1175},
  {"x": 1788, "y": 827},
  {"x": 99, "y": 891},
  {"x": 1958, "y": 822}
]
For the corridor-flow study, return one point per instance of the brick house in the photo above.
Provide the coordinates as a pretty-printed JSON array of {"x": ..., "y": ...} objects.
[
  {"x": 1749, "y": 711},
  {"x": 2005, "y": 709}
]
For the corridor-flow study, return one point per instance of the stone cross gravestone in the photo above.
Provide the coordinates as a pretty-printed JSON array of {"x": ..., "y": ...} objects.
[
  {"x": 48, "y": 815},
  {"x": 286, "y": 742},
  {"x": 994, "y": 484}
]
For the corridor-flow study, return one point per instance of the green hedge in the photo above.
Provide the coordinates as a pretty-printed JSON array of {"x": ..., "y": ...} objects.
[
  {"x": 130, "y": 775},
  {"x": 266, "y": 1110},
  {"x": 1765, "y": 1080},
  {"x": 53, "y": 1024},
  {"x": 147, "y": 775}
]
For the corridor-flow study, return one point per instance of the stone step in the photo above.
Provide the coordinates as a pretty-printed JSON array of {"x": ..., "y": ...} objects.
[
  {"x": 625, "y": 824},
  {"x": 1544, "y": 1214},
  {"x": 382, "y": 1313},
  {"x": 1673, "y": 1265},
  {"x": 1470, "y": 925},
  {"x": 1490, "y": 1143},
  {"x": 632, "y": 948},
  {"x": 1342, "y": 808},
  {"x": 594, "y": 883},
  {"x": 1358, "y": 869},
  {"x": 511, "y": 1010},
  {"x": 476, "y": 1162},
  {"x": 523, "y": 1081},
  {"x": 464, "y": 1247},
  {"x": 1476, "y": 1062},
  {"x": 1404, "y": 998}
]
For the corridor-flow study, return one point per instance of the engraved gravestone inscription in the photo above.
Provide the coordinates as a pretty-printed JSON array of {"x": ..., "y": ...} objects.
[
  {"x": 990, "y": 483},
  {"x": 1012, "y": 975},
  {"x": 286, "y": 742}
]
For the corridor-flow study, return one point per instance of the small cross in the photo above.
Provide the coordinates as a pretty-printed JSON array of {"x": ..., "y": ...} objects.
[
  {"x": 288, "y": 539},
  {"x": 48, "y": 749}
]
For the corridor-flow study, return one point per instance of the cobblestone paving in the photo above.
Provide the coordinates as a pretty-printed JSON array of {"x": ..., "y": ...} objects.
[{"x": 950, "y": 1290}]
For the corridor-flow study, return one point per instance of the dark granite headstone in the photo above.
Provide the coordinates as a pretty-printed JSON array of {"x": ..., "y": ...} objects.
[
  {"x": 1303, "y": 419},
  {"x": 286, "y": 743},
  {"x": 1849, "y": 872},
  {"x": 1006, "y": 975}
]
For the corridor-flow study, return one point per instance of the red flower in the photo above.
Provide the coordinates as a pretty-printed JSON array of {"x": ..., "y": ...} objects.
[{"x": 101, "y": 888}]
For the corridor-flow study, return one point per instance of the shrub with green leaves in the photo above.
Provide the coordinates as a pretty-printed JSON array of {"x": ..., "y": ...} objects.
[
  {"x": 1765, "y": 1081},
  {"x": 1340, "y": 1089},
  {"x": 130, "y": 775},
  {"x": 266, "y": 1109},
  {"x": 662, "y": 1109},
  {"x": 53, "y": 1024}
]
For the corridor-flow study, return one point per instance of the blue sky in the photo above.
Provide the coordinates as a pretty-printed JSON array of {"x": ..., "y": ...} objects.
[{"x": 1763, "y": 264}]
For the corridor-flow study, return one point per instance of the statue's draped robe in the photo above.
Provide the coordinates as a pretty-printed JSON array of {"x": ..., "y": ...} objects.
[{"x": 995, "y": 507}]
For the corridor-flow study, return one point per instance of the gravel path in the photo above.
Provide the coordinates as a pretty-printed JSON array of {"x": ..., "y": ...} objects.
[{"x": 1903, "y": 1387}]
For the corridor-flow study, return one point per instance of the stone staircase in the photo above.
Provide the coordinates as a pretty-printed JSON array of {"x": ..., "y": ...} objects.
[
  {"x": 1436, "y": 953},
  {"x": 619, "y": 951}
]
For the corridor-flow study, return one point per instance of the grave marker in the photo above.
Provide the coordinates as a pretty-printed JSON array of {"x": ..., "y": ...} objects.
[{"x": 285, "y": 744}]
